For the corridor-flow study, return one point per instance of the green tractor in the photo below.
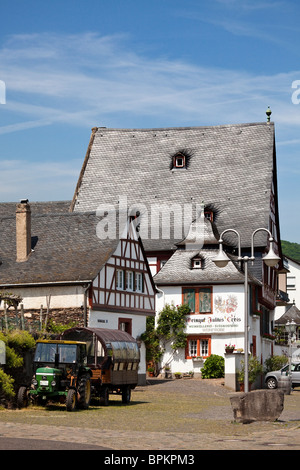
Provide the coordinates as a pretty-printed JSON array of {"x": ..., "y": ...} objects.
[{"x": 60, "y": 374}]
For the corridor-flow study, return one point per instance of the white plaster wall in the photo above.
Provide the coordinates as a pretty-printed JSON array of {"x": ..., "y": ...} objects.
[
  {"x": 102, "y": 319},
  {"x": 61, "y": 296}
]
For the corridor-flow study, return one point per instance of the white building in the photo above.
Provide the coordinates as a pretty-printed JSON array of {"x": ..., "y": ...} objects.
[{"x": 162, "y": 176}]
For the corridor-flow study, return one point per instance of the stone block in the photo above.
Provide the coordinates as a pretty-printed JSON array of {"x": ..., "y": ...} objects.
[{"x": 259, "y": 405}]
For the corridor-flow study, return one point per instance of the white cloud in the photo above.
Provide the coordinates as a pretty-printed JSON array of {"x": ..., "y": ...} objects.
[
  {"x": 85, "y": 78},
  {"x": 38, "y": 180}
]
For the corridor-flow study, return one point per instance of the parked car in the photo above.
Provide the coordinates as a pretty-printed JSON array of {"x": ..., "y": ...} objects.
[{"x": 271, "y": 379}]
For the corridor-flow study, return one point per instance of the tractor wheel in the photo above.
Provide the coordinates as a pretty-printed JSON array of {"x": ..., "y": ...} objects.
[
  {"x": 126, "y": 394},
  {"x": 71, "y": 400},
  {"x": 22, "y": 398},
  {"x": 84, "y": 392}
]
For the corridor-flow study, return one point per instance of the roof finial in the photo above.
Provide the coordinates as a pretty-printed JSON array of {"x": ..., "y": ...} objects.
[{"x": 268, "y": 113}]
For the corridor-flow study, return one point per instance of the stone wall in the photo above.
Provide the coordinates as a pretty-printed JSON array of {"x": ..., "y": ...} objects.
[{"x": 32, "y": 317}]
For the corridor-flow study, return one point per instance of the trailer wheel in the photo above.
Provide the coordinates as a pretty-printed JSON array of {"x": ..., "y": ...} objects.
[
  {"x": 126, "y": 394},
  {"x": 71, "y": 400},
  {"x": 22, "y": 398},
  {"x": 84, "y": 390},
  {"x": 104, "y": 396}
]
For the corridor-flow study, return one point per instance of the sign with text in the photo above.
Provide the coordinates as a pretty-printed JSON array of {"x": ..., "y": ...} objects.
[{"x": 227, "y": 316}]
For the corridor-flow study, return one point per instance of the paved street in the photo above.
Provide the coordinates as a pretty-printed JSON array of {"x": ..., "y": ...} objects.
[{"x": 216, "y": 429}]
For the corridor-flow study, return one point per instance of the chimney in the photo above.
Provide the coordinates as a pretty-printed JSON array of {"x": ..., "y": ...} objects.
[{"x": 23, "y": 230}]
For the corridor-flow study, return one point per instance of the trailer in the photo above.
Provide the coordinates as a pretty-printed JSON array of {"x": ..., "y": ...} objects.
[{"x": 113, "y": 357}]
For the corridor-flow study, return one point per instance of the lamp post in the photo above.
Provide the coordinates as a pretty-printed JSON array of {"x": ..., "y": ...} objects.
[
  {"x": 221, "y": 260},
  {"x": 291, "y": 329}
]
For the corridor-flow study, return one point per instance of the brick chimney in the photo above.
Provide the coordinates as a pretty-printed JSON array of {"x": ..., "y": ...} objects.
[{"x": 23, "y": 230}]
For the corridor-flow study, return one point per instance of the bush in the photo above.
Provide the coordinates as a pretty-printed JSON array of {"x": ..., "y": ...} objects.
[
  {"x": 17, "y": 342},
  {"x": 275, "y": 363},
  {"x": 213, "y": 367},
  {"x": 6, "y": 386}
]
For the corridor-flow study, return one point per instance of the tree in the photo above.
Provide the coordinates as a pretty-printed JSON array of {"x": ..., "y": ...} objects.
[{"x": 170, "y": 329}]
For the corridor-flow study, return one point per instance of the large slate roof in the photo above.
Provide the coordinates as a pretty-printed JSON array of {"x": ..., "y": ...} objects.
[
  {"x": 230, "y": 169},
  {"x": 66, "y": 249}
]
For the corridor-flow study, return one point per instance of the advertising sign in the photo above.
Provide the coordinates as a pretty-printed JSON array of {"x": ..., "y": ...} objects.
[{"x": 227, "y": 315}]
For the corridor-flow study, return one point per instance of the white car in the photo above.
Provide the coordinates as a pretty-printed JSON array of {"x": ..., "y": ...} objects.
[{"x": 271, "y": 379}]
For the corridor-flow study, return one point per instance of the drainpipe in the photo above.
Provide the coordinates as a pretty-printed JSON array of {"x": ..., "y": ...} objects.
[{"x": 85, "y": 304}]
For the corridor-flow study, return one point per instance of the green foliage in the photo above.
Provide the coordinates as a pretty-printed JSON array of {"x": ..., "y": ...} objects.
[
  {"x": 171, "y": 325},
  {"x": 20, "y": 340},
  {"x": 214, "y": 367},
  {"x": 170, "y": 328},
  {"x": 6, "y": 385},
  {"x": 292, "y": 250},
  {"x": 58, "y": 328},
  {"x": 16, "y": 343},
  {"x": 255, "y": 368},
  {"x": 275, "y": 363},
  {"x": 151, "y": 340}
]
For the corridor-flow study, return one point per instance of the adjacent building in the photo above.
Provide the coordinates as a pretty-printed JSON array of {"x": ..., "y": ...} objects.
[{"x": 62, "y": 262}]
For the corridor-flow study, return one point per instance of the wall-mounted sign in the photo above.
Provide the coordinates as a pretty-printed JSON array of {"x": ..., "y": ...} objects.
[{"x": 227, "y": 315}]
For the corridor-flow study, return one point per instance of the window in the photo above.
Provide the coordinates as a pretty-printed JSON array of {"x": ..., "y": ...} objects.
[
  {"x": 197, "y": 263},
  {"x": 209, "y": 215},
  {"x": 129, "y": 280},
  {"x": 139, "y": 282},
  {"x": 125, "y": 324},
  {"x": 198, "y": 346},
  {"x": 193, "y": 348},
  {"x": 120, "y": 279},
  {"x": 199, "y": 299},
  {"x": 179, "y": 161}
]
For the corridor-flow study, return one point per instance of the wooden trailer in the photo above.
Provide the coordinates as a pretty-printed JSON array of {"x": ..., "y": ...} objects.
[{"x": 113, "y": 357}]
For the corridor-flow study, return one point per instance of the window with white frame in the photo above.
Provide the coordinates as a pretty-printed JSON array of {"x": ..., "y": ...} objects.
[
  {"x": 139, "y": 282},
  {"x": 129, "y": 280},
  {"x": 120, "y": 279},
  {"x": 198, "y": 345},
  {"x": 204, "y": 347},
  {"x": 193, "y": 348}
]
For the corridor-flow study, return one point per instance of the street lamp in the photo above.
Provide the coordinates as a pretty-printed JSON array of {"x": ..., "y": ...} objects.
[
  {"x": 221, "y": 260},
  {"x": 291, "y": 329}
]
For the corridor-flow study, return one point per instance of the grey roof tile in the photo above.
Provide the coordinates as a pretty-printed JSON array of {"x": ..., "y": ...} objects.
[
  {"x": 66, "y": 249},
  {"x": 231, "y": 167}
]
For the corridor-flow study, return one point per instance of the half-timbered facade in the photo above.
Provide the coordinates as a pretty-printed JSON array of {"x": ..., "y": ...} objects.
[
  {"x": 123, "y": 284},
  {"x": 60, "y": 262}
]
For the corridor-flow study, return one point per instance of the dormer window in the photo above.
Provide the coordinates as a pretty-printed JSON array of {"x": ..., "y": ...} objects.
[
  {"x": 209, "y": 215},
  {"x": 198, "y": 263},
  {"x": 179, "y": 161}
]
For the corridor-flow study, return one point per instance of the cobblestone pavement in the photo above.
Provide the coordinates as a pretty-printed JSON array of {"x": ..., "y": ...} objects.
[{"x": 281, "y": 435}]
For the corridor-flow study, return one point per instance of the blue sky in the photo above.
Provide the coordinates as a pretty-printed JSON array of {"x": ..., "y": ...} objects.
[{"x": 68, "y": 66}]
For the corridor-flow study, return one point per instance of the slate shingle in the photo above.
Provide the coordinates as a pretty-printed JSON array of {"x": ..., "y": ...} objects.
[{"x": 231, "y": 167}]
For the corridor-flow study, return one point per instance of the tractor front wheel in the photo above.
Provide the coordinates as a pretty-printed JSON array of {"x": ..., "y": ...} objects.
[
  {"x": 71, "y": 400},
  {"x": 22, "y": 398}
]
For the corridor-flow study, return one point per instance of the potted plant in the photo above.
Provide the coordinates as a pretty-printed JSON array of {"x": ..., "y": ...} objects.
[
  {"x": 255, "y": 368},
  {"x": 178, "y": 375},
  {"x": 167, "y": 372},
  {"x": 150, "y": 371},
  {"x": 229, "y": 348}
]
